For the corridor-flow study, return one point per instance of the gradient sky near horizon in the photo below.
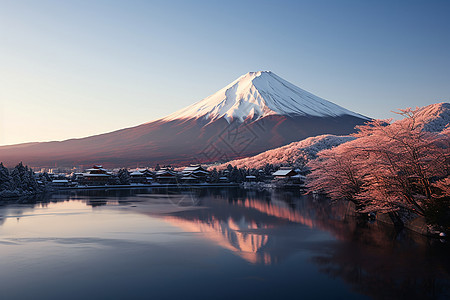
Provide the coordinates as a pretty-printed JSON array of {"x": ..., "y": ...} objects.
[{"x": 77, "y": 68}]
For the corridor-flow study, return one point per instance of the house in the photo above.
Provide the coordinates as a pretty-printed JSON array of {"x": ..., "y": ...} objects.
[
  {"x": 223, "y": 179},
  {"x": 194, "y": 168},
  {"x": 146, "y": 172},
  {"x": 194, "y": 173},
  {"x": 166, "y": 176},
  {"x": 60, "y": 182},
  {"x": 139, "y": 177},
  {"x": 289, "y": 175},
  {"x": 284, "y": 173},
  {"x": 250, "y": 178},
  {"x": 97, "y": 175},
  {"x": 76, "y": 177},
  {"x": 190, "y": 179}
]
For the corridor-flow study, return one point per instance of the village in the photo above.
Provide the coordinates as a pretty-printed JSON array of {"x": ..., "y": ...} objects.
[{"x": 193, "y": 175}]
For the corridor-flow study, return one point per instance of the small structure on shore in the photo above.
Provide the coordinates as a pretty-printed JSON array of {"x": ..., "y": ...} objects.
[
  {"x": 287, "y": 175},
  {"x": 194, "y": 174},
  {"x": 250, "y": 178},
  {"x": 143, "y": 176},
  {"x": 60, "y": 182},
  {"x": 223, "y": 179},
  {"x": 166, "y": 176},
  {"x": 95, "y": 176},
  {"x": 190, "y": 179}
]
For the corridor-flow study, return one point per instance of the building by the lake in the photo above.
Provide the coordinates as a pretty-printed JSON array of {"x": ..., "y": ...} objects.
[
  {"x": 96, "y": 175},
  {"x": 194, "y": 174}
]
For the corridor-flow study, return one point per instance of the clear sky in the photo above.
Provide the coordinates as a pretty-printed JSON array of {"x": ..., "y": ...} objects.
[{"x": 77, "y": 68}]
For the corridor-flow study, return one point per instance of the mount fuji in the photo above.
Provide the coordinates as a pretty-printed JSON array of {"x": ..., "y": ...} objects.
[
  {"x": 256, "y": 112},
  {"x": 260, "y": 94}
]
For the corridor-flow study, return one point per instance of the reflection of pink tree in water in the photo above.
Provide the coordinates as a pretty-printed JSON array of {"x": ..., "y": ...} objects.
[
  {"x": 390, "y": 166},
  {"x": 383, "y": 265}
]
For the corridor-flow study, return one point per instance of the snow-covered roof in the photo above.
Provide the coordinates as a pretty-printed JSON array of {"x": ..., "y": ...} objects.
[
  {"x": 95, "y": 175},
  {"x": 196, "y": 172},
  {"x": 284, "y": 172},
  {"x": 96, "y": 169},
  {"x": 136, "y": 173},
  {"x": 190, "y": 169},
  {"x": 193, "y": 169},
  {"x": 299, "y": 176},
  {"x": 165, "y": 172},
  {"x": 189, "y": 178}
]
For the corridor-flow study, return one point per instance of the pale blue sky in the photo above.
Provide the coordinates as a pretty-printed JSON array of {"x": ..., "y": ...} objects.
[{"x": 77, "y": 68}]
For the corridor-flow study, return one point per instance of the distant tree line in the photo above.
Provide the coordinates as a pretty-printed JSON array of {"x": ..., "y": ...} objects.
[
  {"x": 238, "y": 175},
  {"x": 21, "y": 181}
]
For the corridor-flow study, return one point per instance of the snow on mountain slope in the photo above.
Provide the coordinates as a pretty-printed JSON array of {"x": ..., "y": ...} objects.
[
  {"x": 296, "y": 153},
  {"x": 260, "y": 94},
  {"x": 434, "y": 117}
]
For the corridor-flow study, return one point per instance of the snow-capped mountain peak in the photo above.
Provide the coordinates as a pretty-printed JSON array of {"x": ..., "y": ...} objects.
[{"x": 256, "y": 95}]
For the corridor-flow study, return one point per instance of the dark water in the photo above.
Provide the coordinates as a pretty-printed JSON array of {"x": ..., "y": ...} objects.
[{"x": 209, "y": 244}]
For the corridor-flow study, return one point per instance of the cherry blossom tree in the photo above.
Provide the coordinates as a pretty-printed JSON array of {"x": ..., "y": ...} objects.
[
  {"x": 335, "y": 173},
  {"x": 389, "y": 167}
]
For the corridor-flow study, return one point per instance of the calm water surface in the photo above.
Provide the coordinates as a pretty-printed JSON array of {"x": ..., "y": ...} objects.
[{"x": 209, "y": 244}]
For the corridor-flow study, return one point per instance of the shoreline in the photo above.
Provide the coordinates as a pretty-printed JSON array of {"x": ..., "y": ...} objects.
[
  {"x": 168, "y": 185},
  {"x": 118, "y": 187}
]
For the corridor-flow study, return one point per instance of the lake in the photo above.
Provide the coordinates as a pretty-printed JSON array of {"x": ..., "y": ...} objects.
[{"x": 207, "y": 243}]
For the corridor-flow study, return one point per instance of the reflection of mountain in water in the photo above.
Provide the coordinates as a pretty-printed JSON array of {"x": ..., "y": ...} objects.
[
  {"x": 271, "y": 227},
  {"x": 241, "y": 237},
  {"x": 262, "y": 227},
  {"x": 374, "y": 258}
]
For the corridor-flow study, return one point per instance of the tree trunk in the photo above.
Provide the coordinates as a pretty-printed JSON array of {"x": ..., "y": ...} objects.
[{"x": 395, "y": 218}]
